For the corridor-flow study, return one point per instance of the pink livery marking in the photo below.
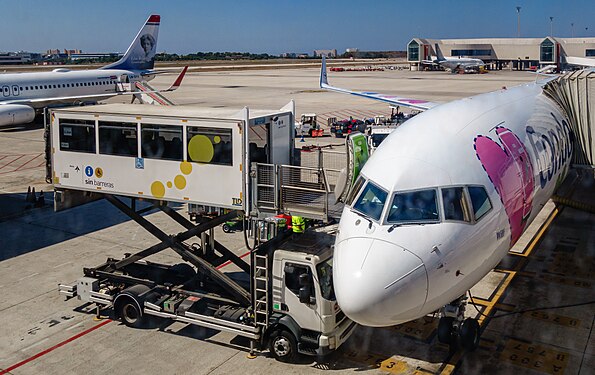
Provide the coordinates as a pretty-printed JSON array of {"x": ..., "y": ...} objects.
[{"x": 510, "y": 170}]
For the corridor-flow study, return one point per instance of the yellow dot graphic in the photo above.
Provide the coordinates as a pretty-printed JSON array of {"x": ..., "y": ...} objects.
[
  {"x": 200, "y": 149},
  {"x": 216, "y": 139},
  {"x": 157, "y": 189},
  {"x": 169, "y": 184},
  {"x": 180, "y": 181},
  {"x": 186, "y": 167}
]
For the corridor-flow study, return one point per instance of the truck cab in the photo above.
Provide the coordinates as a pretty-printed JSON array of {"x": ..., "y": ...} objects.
[{"x": 303, "y": 301}]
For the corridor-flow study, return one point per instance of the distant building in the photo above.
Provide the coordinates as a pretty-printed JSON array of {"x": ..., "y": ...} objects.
[
  {"x": 288, "y": 55},
  {"x": 517, "y": 53},
  {"x": 352, "y": 50},
  {"x": 12, "y": 58},
  {"x": 92, "y": 56},
  {"x": 325, "y": 52}
]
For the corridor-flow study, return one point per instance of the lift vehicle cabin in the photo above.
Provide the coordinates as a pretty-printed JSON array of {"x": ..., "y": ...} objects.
[{"x": 210, "y": 158}]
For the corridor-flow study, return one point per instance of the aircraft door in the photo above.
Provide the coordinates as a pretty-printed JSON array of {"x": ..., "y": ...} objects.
[
  {"x": 259, "y": 140},
  {"x": 6, "y": 90}
]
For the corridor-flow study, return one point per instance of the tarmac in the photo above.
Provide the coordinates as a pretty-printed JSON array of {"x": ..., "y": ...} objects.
[{"x": 535, "y": 309}]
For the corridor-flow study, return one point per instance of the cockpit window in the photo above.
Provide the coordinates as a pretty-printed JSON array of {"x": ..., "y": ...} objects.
[
  {"x": 371, "y": 201},
  {"x": 455, "y": 204},
  {"x": 479, "y": 200},
  {"x": 414, "y": 207},
  {"x": 355, "y": 190}
]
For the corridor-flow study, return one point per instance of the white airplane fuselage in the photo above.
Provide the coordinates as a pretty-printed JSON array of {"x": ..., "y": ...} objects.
[
  {"x": 454, "y": 63},
  {"x": 515, "y": 143},
  {"x": 62, "y": 83}
]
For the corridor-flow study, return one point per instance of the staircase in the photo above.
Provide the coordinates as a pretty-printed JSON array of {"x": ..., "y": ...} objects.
[{"x": 145, "y": 95}]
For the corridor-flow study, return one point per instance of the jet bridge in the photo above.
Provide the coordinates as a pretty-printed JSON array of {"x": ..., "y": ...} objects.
[{"x": 575, "y": 92}]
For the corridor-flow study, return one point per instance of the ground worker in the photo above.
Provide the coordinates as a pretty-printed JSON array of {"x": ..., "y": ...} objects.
[{"x": 298, "y": 224}]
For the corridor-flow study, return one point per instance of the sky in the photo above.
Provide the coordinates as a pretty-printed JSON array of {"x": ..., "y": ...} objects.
[{"x": 279, "y": 26}]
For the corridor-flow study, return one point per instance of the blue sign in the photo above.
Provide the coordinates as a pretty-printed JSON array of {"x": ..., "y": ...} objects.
[
  {"x": 139, "y": 163},
  {"x": 89, "y": 171},
  {"x": 259, "y": 121}
]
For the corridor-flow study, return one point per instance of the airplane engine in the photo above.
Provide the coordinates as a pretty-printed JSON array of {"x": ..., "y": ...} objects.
[{"x": 13, "y": 114}]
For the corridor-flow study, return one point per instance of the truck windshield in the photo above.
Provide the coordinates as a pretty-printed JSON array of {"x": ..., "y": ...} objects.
[
  {"x": 325, "y": 278},
  {"x": 371, "y": 201},
  {"x": 413, "y": 207}
]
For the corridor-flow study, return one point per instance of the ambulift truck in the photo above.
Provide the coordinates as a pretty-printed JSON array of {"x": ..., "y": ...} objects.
[{"x": 282, "y": 299}]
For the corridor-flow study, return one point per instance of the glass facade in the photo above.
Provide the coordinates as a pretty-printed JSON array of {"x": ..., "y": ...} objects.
[
  {"x": 413, "y": 51},
  {"x": 471, "y": 52},
  {"x": 546, "y": 51},
  {"x": 590, "y": 53}
]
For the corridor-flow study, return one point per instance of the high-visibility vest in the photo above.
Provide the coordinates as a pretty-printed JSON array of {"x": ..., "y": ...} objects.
[{"x": 298, "y": 224}]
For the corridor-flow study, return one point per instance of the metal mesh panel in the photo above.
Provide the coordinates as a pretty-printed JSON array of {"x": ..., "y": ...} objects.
[
  {"x": 303, "y": 191},
  {"x": 265, "y": 186},
  {"x": 324, "y": 158}
]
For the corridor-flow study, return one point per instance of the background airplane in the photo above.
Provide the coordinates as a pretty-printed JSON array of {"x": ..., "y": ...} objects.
[
  {"x": 24, "y": 94},
  {"x": 454, "y": 63},
  {"x": 442, "y": 200}
]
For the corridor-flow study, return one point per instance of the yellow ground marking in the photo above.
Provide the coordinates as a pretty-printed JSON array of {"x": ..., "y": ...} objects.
[
  {"x": 510, "y": 274},
  {"x": 534, "y": 357}
]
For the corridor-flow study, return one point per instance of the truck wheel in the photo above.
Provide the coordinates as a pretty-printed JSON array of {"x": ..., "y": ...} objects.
[
  {"x": 283, "y": 345},
  {"x": 226, "y": 228},
  {"x": 130, "y": 314},
  {"x": 127, "y": 306}
]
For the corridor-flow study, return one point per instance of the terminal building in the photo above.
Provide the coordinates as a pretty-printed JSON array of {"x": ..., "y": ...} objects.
[{"x": 498, "y": 53}]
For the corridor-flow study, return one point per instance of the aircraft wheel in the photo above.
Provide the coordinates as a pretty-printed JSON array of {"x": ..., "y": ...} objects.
[
  {"x": 446, "y": 330},
  {"x": 283, "y": 345},
  {"x": 470, "y": 334}
]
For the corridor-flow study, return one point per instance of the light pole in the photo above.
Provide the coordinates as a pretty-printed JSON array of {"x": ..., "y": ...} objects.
[
  {"x": 551, "y": 26},
  {"x": 518, "y": 24}
]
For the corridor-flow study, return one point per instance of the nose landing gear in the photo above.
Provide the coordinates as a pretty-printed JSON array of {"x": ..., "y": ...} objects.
[{"x": 454, "y": 329}]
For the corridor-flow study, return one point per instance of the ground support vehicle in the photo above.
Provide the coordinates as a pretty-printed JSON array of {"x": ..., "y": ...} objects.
[
  {"x": 282, "y": 298},
  {"x": 309, "y": 126},
  {"x": 346, "y": 127}
]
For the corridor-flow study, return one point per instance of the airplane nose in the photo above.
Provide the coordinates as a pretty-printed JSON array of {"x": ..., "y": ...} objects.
[{"x": 378, "y": 283}]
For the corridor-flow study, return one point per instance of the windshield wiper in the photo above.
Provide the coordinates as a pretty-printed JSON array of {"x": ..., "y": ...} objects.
[
  {"x": 365, "y": 217},
  {"x": 392, "y": 227}
]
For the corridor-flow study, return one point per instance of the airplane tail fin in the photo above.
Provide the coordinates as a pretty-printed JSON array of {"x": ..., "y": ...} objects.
[
  {"x": 141, "y": 53},
  {"x": 439, "y": 53},
  {"x": 323, "y": 76}
]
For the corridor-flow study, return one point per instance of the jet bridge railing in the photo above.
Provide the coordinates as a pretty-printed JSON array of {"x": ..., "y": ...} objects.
[{"x": 296, "y": 190}]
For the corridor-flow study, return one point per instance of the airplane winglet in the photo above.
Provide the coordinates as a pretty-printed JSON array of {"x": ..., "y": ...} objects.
[
  {"x": 323, "y": 76},
  {"x": 178, "y": 80}
]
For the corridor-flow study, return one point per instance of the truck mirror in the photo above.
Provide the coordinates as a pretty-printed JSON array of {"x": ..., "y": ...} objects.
[
  {"x": 305, "y": 294},
  {"x": 305, "y": 279}
]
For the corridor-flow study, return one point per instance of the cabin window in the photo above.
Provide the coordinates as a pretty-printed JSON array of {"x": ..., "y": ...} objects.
[
  {"x": 77, "y": 135},
  {"x": 414, "y": 207},
  {"x": 371, "y": 201},
  {"x": 292, "y": 276},
  {"x": 117, "y": 138},
  {"x": 209, "y": 145},
  {"x": 455, "y": 204},
  {"x": 161, "y": 142},
  {"x": 480, "y": 201}
]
